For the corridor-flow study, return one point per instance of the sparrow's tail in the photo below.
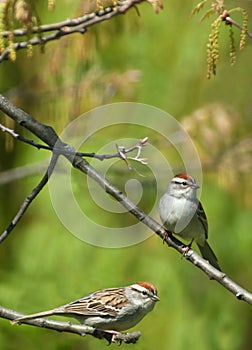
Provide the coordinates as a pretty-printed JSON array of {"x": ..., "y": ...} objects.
[
  {"x": 32, "y": 316},
  {"x": 208, "y": 254}
]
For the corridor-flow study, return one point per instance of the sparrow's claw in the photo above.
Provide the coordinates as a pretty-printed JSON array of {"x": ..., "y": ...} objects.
[
  {"x": 112, "y": 336},
  {"x": 187, "y": 248},
  {"x": 166, "y": 235},
  {"x": 109, "y": 335}
]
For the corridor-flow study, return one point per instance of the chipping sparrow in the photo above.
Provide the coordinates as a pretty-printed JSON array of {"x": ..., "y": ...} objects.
[
  {"x": 182, "y": 213},
  {"x": 115, "y": 309}
]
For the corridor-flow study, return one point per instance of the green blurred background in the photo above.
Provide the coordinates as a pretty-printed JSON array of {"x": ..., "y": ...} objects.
[{"x": 158, "y": 60}]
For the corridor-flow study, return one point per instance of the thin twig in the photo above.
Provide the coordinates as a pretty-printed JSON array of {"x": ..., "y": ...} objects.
[
  {"x": 229, "y": 21},
  {"x": 73, "y": 328},
  {"x": 23, "y": 139},
  {"x": 121, "y": 150},
  {"x": 30, "y": 198}
]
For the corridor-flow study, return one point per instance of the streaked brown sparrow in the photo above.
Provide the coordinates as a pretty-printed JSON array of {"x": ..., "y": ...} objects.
[{"x": 115, "y": 309}]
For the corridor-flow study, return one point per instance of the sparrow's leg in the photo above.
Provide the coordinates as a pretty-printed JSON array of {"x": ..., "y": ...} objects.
[
  {"x": 166, "y": 235},
  {"x": 187, "y": 247}
]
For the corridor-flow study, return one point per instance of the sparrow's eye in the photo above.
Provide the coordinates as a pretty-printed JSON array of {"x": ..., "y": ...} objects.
[
  {"x": 184, "y": 184},
  {"x": 144, "y": 293}
]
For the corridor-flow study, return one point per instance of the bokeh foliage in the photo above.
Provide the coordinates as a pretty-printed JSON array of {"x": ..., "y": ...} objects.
[{"x": 157, "y": 60}]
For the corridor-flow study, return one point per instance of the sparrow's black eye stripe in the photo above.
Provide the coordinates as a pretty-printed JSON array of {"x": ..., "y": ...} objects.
[
  {"x": 184, "y": 183},
  {"x": 180, "y": 183},
  {"x": 143, "y": 292}
]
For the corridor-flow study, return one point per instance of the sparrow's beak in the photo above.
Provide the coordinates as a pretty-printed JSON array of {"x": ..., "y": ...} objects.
[
  {"x": 196, "y": 186},
  {"x": 155, "y": 298}
]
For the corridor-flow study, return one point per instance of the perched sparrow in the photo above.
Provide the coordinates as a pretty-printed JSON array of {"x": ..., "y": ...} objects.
[
  {"x": 182, "y": 213},
  {"x": 115, "y": 309}
]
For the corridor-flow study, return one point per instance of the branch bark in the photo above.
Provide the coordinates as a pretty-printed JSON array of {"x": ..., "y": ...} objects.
[
  {"x": 73, "y": 328},
  {"x": 48, "y": 135}
]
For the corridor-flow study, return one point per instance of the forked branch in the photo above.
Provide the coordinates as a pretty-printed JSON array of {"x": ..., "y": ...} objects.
[
  {"x": 67, "y": 151},
  {"x": 44, "y": 133}
]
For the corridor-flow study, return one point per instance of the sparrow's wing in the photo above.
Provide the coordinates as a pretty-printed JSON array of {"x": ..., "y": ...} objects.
[
  {"x": 208, "y": 254},
  {"x": 202, "y": 217},
  {"x": 205, "y": 249},
  {"x": 106, "y": 302}
]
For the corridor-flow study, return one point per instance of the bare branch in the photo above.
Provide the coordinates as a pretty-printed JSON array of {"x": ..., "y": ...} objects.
[
  {"x": 23, "y": 139},
  {"x": 229, "y": 20},
  {"x": 30, "y": 198},
  {"x": 73, "y": 328},
  {"x": 46, "y": 134},
  {"x": 121, "y": 153},
  {"x": 121, "y": 150},
  {"x": 70, "y": 26}
]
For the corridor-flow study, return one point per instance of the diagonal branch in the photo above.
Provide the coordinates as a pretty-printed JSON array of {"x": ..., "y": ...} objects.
[
  {"x": 73, "y": 328},
  {"x": 45, "y": 133},
  {"x": 30, "y": 198}
]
